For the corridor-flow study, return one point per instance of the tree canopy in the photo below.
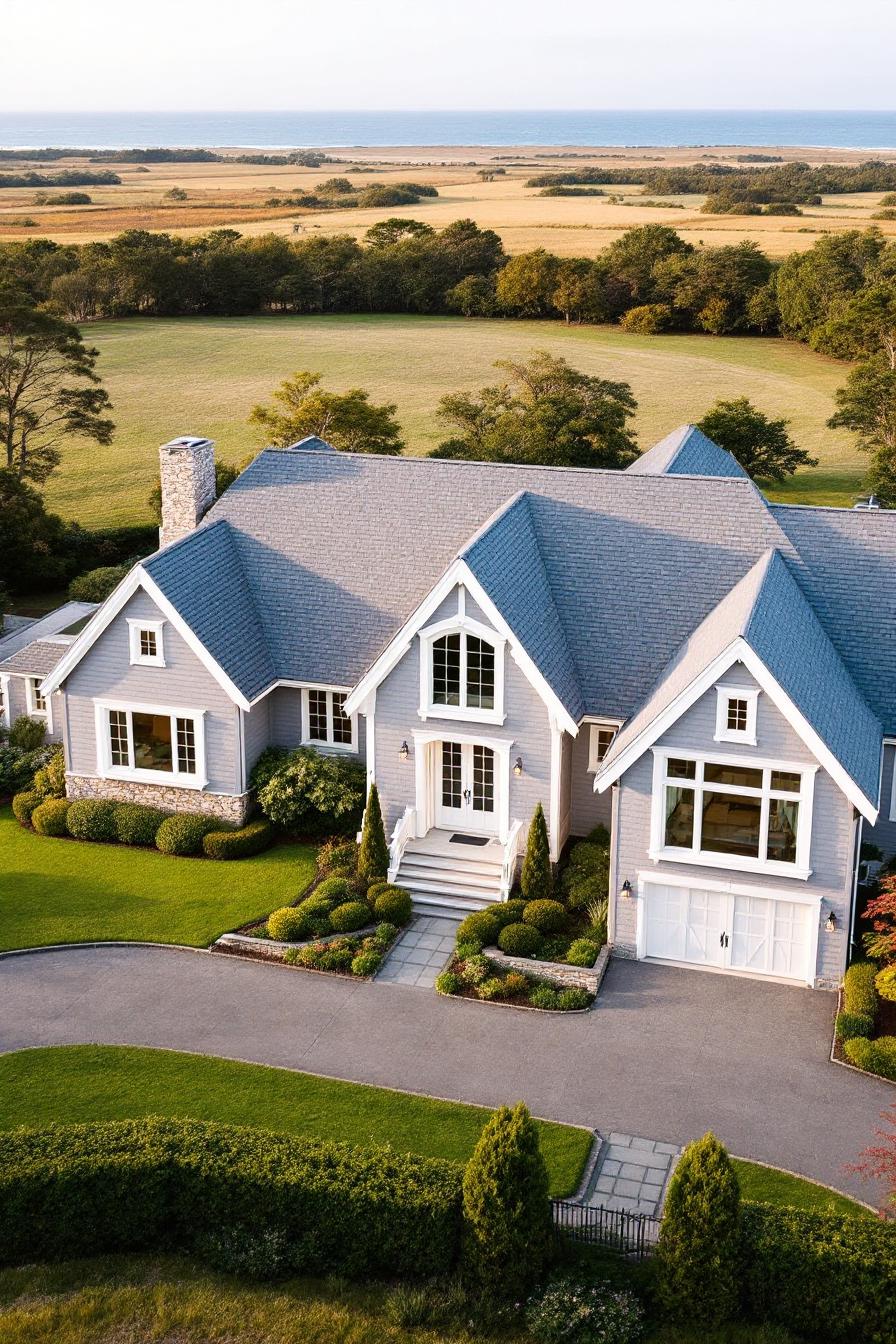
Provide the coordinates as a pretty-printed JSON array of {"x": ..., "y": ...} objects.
[
  {"x": 545, "y": 414},
  {"x": 867, "y": 406},
  {"x": 762, "y": 446},
  {"x": 346, "y": 420}
]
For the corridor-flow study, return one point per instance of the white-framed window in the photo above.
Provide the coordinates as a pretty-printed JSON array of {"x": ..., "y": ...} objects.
[
  {"x": 600, "y": 739},
  {"x": 736, "y": 714},
  {"x": 151, "y": 743},
  {"x": 324, "y": 724},
  {"x": 37, "y": 706},
  {"x": 462, "y": 672},
  {"x": 752, "y": 815},
  {"x": 146, "y": 642}
]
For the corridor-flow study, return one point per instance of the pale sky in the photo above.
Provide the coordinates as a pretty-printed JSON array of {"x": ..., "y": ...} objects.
[{"x": 97, "y": 55}]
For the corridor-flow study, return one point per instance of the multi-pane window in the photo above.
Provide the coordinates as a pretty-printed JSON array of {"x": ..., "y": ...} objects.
[
  {"x": 452, "y": 774},
  {"x": 483, "y": 779},
  {"x": 325, "y": 719},
  {"x": 740, "y": 810},
  {"x": 146, "y": 642},
  {"x": 118, "y": 737},
  {"x": 36, "y": 702},
  {"x": 153, "y": 740},
  {"x": 149, "y": 644},
  {"x": 736, "y": 714},
  {"x": 602, "y": 735},
  {"x": 186, "y": 746},
  {"x": 463, "y": 672}
]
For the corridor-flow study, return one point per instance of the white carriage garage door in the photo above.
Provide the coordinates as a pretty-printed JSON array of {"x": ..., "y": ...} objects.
[{"x": 729, "y": 932}]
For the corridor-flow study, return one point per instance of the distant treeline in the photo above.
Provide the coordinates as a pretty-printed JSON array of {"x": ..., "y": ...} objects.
[
  {"x": 305, "y": 158},
  {"x": 71, "y": 177},
  {"x": 337, "y": 193},
  {"x": 649, "y": 280},
  {"x": 797, "y": 182}
]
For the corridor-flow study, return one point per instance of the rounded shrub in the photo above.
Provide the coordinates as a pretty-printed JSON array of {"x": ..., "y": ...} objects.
[
  {"x": 334, "y": 890},
  {"x": 448, "y": 982},
  {"x": 239, "y": 844},
  {"x": 481, "y": 928},
  {"x": 582, "y": 1311},
  {"x": 491, "y": 988},
  {"x": 367, "y": 963},
  {"x": 184, "y": 833},
  {"x": 49, "y": 818},
  {"x": 376, "y": 888},
  {"x": 859, "y": 994},
  {"x": 584, "y": 892},
  {"x": 545, "y": 916},
  {"x": 877, "y": 1056},
  {"x": 315, "y": 916},
  {"x": 393, "y": 905},
  {"x": 574, "y": 999},
  {"x": 385, "y": 932},
  {"x": 287, "y": 925},
  {"x": 884, "y": 981},
  {"x": 136, "y": 824},
  {"x": 515, "y": 983},
  {"x": 92, "y": 819},
  {"x": 350, "y": 916},
  {"x": 507, "y": 912},
  {"x": 583, "y": 952},
  {"x": 474, "y": 970},
  {"x": 337, "y": 853},
  {"x": 545, "y": 997},
  {"x": 520, "y": 940},
  {"x": 851, "y": 1025},
  {"x": 23, "y": 804}
]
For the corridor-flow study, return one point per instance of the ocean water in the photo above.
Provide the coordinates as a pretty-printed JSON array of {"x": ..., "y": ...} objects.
[{"x": 273, "y": 130}]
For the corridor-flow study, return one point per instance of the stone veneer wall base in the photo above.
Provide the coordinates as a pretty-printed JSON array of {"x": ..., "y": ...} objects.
[
  {"x": 554, "y": 972},
  {"x": 229, "y": 807}
]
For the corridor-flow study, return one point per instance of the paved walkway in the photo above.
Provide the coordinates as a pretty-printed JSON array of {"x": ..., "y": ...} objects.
[
  {"x": 417, "y": 957},
  {"x": 631, "y": 1174},
  {"x": 665, "y": 1052}
]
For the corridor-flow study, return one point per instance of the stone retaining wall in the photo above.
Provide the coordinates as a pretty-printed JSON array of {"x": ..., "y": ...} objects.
[
  {"x": 554, "y": 972},
  {"x": 274, "y": 949},
  {"x": 229, "y": 807}
]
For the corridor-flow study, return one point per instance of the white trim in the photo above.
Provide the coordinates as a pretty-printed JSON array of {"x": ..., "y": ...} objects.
[
  {"x": 138, "y": 579},
  {"x": 328, "y": 746},
  {"x": 799, "y": 895},
  {"x": 172, "y": 778},
  {"x": 5, "y": 721},
  {"x": 424, "y": 776},
  {"x": 660, "y": 853},
  {"x": 725, "y": 694},
  {"x": 738, "y": 651},
  {"x": 461, "y": 625},
  {"x": 892, "y": 782},
  {"x": 555, "y": 788},
  {"x": 370, "y": 737},
  {"x": 595, "y": 727},
  {"x": 457, "y": 573},
  {"x": 135, "y": 631},
  {"x": 32, "y": 690}
]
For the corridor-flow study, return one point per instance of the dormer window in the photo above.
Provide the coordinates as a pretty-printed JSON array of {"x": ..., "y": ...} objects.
[
  {"x": 736, "y": 714},
  {"x": 146, "y": 646},
  {"x": 462, "y": 672}
]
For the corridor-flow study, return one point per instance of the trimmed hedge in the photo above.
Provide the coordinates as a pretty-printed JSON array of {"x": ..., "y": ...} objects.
[
  {"x": 92, "y": 819},
  {"x": 350, "y": 916},
  {"x": 507, "y": 912},
  {"x": 481, "y": 928},
  {"x": 160, "y": 1184},
  {"x": 823, "y": 1276},
  {"x": 877, "y": 1056},
  {"x": 394, "y": 905},
  {"x": 184, "y": 833},
  {"x": 240, "y": 844},
  {"x": 50, "y": 817},
  {"x": 519, "y": 940},
  {"x": 334, "y": 891},
  {"x": 545, "y": 916},
  {"x": 859, "y": 1012},
  {"x": 287, "y": 925},
  {"x": 136, "y": 824},
  {"x": 23, "y": 804}
]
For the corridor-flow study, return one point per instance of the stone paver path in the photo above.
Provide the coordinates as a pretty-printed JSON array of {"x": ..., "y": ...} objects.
[
  {"x": 631, "y": 1174},
  {"x": 421, "y": 952}
]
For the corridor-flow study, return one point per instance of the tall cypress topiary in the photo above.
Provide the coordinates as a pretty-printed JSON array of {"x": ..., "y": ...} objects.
[
  {"x": 373, "y": 855},
  {"x": 699, "y": 1246},
  {"x": 537, "y": 879},
  {"x": 507, "y": 1213}
]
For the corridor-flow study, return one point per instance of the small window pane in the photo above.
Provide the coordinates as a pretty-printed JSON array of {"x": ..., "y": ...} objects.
[
  {"x": 342, "y": 726},
  {"x": 604, "y": 742},
  {"x": 186, "y": 746},
  {"x": 679, "y": 817},
  {"x": 483, "y": 779},
  {"x": 786, "y": 782},
  {"x": 148, "y": 644},
  {"x": 451, "y": 774},
  {"x": 446, "y": 671},
  {"x": 317, "y": 716},
  {"x": 731, "y": 824},
  {"x": 681, "y": 769},
  {"x": 783, "y": 821},
  {"x": 152, "y": 742},
  {"x": 741, "y": 776},
  {"x": 480, "y": 673},
  {"x": 118, "y": 737},
  {"x": 37, "y": 699},
  {"x": 737, "y": 716}
]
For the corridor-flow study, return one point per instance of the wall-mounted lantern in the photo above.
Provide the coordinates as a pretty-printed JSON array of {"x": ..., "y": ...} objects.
[
  {"x": 831, "y": 922},
  {"x": 518, "y": 766},
  {"x": 403, "y": 752},
  {"x": 626, "y": 893}
]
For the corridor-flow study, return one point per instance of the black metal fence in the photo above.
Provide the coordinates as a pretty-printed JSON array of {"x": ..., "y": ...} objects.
[{"x": 632, "y": 1234}]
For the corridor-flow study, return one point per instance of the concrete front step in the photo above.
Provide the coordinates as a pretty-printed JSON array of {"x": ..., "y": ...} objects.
[
  {"x": 451, "y": 907},
  {"x": 421, "y": 858},
  {"x": 447, "y": 886},
  {"x": 486, "y": 884}
]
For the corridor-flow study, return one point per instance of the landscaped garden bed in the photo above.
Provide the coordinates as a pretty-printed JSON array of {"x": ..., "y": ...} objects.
[{"x": 865, "y": 1031}]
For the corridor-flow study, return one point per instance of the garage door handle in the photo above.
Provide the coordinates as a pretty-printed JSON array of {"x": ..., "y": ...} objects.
[{"x": 723, "y": 940}]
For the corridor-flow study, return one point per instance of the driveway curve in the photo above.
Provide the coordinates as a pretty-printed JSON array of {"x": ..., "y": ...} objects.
[{"x": 666, "y": 1053}]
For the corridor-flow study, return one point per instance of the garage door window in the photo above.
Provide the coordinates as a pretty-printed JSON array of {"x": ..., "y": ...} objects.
[{"x": 731, "y": 814}]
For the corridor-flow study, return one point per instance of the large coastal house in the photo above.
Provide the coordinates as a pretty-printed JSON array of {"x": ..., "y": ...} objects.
[{"x": 659, "y": 650}]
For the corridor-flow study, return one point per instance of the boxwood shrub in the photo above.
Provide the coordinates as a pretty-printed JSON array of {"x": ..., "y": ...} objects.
[
  {"x": 582, "y": 952},
  {"x": 239, "y": 844},
  {"x": 877, "y": 1056},
  {"x": 334, "y": 890},
  {"x": 287, "y": 925},
  {"x": 184, "y": 833},
  {"x": 49, "y": 818},
  {"x": 23, "y": 804},
  {"x": 136, "y": 824},
  {"x": 545, "y": 916},
  {"x": 520, "y": 940},
  {"x": 823, "y": 1276},
  {"x": 92, "y": 819},
  {"x": 507, "y": 912},
  {"x": 481, "y": 928},
  {"x": 160, "y": 1184},
  {"x": 394, "y": 905},
  {"x": 337, "y": 853},
  {"x": 350, "y": 916}
]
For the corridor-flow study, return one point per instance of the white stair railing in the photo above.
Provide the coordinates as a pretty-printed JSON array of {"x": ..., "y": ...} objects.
[
  {"x": 405, "y": 830},
  {"x": 512, "y": 847}
]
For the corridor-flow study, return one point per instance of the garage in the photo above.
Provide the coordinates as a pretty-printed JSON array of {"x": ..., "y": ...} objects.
[{"x": 729, "y": 930}]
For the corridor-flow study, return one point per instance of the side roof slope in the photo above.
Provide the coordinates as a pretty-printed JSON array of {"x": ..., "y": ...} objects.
[{"x": 686, "y": 452}]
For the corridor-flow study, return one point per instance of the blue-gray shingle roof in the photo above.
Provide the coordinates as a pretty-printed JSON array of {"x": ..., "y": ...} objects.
[{"x": 686, "y": 452}]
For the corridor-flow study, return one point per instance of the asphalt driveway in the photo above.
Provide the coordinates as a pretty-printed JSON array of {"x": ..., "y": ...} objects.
[{"x": 667, "y": 1053}]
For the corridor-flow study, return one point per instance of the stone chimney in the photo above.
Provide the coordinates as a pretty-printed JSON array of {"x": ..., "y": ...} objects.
[{"x": 187, "y": 468}]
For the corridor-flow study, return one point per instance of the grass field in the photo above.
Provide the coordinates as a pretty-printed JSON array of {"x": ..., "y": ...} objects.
[
  {"x": 88, "y": 1082},
  {"x": 203, "y": 375},
  {"x": 75, "y": 891}
]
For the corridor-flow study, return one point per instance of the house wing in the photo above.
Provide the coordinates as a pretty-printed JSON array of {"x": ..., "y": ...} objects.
[
  {"x": 686, "y": 452},
  {"x": 766, "y": 622}
]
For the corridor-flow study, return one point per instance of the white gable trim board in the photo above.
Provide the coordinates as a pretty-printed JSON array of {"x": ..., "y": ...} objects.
[{"x": 738, "y": 651}]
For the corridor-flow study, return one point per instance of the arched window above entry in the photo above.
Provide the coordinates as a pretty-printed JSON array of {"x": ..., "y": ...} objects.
[{"x": 462, "y": 672}]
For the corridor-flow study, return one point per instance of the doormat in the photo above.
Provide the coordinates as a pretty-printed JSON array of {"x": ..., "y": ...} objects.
[{"x": 469, "y": 840}]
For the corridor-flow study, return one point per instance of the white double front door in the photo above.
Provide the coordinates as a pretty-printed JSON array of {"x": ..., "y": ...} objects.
[
  {"x": 465, "y": 788},
  {"x": 730, "y": 932}
]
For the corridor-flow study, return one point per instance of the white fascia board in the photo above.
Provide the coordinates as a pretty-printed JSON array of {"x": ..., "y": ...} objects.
[
  {"x": 457, "y": 573},
  {"x": 137, "y": 579},
  {"x": 739, "y": 651}
]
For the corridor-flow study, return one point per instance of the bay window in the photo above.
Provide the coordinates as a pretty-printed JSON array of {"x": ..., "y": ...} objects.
[
  {"x": 324, "y": 721},
  {"x": 732, "y": 814},
  {"x": 151, "y": 744}
]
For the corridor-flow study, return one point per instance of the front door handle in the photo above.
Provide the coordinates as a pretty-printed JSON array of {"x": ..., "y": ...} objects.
[{"x": 467, "y": 795}]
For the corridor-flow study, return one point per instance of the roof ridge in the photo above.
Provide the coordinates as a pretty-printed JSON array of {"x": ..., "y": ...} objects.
[{"x": 484, "y": 528}]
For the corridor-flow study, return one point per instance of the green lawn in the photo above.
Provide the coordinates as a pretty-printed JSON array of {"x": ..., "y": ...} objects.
[
  {"x": 72, "y": 891},
  {"x": 765, "y": 1185},
  {"x": 203, "y": 375},
  {"x": 92, "y": 1082}
]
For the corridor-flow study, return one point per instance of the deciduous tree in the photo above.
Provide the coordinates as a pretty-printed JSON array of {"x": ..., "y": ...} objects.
[
  {"x": 346, "y": 420},
  {"x": 867, "y": 406},
  {"x": 762, "y": 446}
]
